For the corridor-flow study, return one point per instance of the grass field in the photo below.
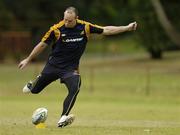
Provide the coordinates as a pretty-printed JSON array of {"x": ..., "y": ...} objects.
[{"x": 119, "y": 96}]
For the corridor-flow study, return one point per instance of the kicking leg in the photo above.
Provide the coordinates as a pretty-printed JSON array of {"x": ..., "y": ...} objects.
[{"x": 39, "y": 83}]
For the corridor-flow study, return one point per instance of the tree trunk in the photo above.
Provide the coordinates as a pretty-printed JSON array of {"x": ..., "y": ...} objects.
[
  {"x": 156, "y": 54},
  {"x": 166, "y": 24}
]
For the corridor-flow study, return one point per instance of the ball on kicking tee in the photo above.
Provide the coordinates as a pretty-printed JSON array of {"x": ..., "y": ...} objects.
[{"x": 39, "y": 116}]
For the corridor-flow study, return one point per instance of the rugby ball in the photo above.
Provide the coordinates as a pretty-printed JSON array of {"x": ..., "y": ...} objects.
[{"x": 39, "y": 115}]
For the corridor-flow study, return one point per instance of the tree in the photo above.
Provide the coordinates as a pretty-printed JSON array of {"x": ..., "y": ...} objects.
[
  {"x": 150, "y": 32},
  {"x": 167, "y": 25}
]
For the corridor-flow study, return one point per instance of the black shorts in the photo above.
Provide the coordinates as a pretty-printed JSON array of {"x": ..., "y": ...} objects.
[
  {"x": 59, "y": 73},
  {"x": 49, "y": 74}
]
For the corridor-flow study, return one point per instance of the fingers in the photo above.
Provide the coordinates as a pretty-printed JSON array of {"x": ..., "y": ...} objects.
[
  {"x": 21, "y": 66},
  {"x": 134, "y": 26}
]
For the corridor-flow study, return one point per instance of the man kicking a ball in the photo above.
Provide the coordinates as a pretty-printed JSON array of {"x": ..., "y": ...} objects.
[{"x": 68, "y": 39}]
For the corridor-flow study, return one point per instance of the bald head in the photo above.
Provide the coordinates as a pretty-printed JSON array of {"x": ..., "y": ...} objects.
[
  {"x": 70, "y": 16},
  {"x": 72, "y": 9}
]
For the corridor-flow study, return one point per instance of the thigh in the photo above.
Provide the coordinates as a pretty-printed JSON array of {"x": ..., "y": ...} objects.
[{"x": 42, "y": 81}]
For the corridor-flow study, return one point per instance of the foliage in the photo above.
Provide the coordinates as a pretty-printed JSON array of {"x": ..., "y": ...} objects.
[
  {"x": 37, "y": 16},
  {"x": 172, "y": 11},
  {"x": 150, "y": 32}
]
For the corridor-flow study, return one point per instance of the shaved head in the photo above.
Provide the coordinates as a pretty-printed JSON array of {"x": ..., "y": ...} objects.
[
  {"x": 72, "y": 9},
  {"x": 70, "y": 16}
]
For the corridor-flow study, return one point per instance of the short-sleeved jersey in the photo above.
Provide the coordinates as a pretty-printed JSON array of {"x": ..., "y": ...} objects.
[{"x": 68, "y": 44}]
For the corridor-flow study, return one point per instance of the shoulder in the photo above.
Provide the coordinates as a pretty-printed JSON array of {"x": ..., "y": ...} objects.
[
  {"x": 89, "y": 24},
  {"x": 58, "y": 25}
]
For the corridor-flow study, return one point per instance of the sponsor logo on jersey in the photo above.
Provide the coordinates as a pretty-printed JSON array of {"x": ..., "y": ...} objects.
[
  {"x": 73, "y": 40},
  {"x": 63, "y": 35}
]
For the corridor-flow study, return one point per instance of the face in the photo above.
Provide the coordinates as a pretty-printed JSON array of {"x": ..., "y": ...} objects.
[{"x": 70, "y": 19}]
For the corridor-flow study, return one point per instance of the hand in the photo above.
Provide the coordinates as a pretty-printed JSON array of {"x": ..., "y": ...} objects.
[
  {"x": 23, "y": 63},
  {"x": 132, "y": 26}
]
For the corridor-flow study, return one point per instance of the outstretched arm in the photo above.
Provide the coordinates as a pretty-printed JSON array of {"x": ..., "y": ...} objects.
[
  {"x": 37, "y": 50},
  {"x": 112, "y": 30}
]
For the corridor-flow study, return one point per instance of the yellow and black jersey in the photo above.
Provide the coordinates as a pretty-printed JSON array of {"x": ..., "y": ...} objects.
[{"x": 68, "y": 44}]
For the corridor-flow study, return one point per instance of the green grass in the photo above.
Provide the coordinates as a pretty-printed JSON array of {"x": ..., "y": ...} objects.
[
  {"x": 119, "y": 96},
  {"x": 114, "y": 46}
]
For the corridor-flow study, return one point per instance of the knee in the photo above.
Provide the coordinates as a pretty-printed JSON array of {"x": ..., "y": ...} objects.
[{"x": 35, "y": 91}]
